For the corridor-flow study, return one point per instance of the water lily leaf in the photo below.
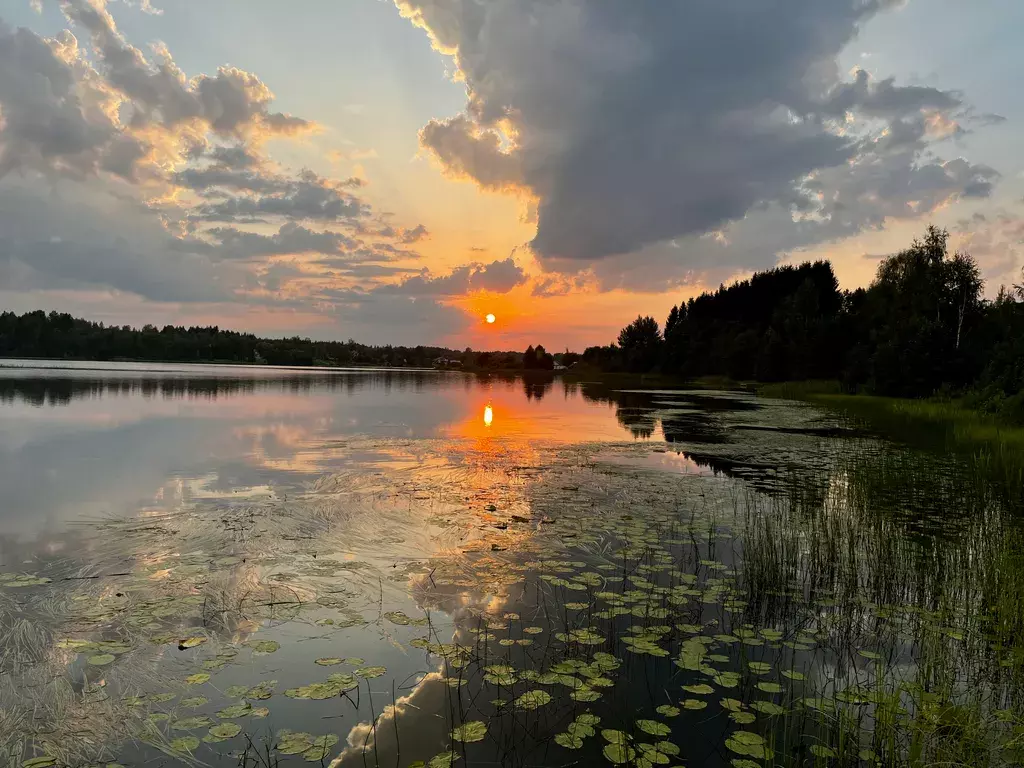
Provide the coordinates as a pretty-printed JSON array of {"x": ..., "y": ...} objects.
[
  {"x": 694, "y": 704},
  {"x": 185, "y": 744},
  {"x": 293, "y": 743},
  {"x": 701, "y": 689},
  {"x": 191, "y": 642},
  {"x": 770, "y": 687},
  {"x": 261, "y": 691},
  {"x": 768, "y": 708},
  {"x": 749, "y": 744},
  {"x": 568, "y": 741},
  {"x": 191, "y": 723},
  {"x": 653, "y": 727},
  {"x": 533, "y": 699},
  {"x": 222, "y": 732},
  {"x": 668, "y": 710},
  {"x": 474, "y": 730},
  {"x": 354, "y": 661},
  {"x": 580, "y": 730},
  {"x": 235, "y": 710},
  {"x": 370, "y": 672},
  {"x": 443, "y": 760},
  {"x": 321, "y": 748},
  {"x": 101, "y": 659},
  {"x": 588, "y": 718},
  {"x": 792, "y": 674},
  {"x": 328, "y": 661},
  {"x": 198, "y": 678},
  {"x": 759, "y": 667},
  {"x": 265, "y": 646},
  {"x": 743, "y": 718},
  {"x": 236, "y": 691},
  {"x": 194, "y": 701},
  {"x": 618, "y": 754}
]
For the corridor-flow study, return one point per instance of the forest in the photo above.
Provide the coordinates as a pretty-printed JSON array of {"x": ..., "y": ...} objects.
[
  {"x": 921, "y": 328},
  {"x": 60, "y": 336}
]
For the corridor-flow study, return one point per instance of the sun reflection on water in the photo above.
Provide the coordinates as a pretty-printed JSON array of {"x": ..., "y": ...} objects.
[{"x": 488, "y": 415}]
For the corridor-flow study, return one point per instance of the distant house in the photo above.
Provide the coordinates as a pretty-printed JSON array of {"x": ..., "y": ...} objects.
[
  {"x": 447, "y": 362},
  {"x": 559, "y": 367}
]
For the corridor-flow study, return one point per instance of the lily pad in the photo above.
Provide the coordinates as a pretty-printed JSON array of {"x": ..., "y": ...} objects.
[
  {"x": 101, "y": 659},
  {"x": 223, "y": 732},
  {"x": 653, "y": 727},
  {"x": 191, "y": 723},
  {"x": 474, "y": 730},
  {"x": 443, "y": 760},
  {"x": 568, "y": 741},
  {"x": 533, "y": 699},
  {"x": 370, "y": 672},
  {"x": 185, "y": 744}
]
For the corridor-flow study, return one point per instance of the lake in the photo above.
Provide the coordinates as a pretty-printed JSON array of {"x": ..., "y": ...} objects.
[{"x": 252, "y": 566}]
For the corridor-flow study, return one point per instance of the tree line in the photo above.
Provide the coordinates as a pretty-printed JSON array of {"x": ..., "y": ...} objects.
[
  {"x": 922, "y": 327},
  {"x": 61, "y": 336},
  {"x": 58, "y": 335}
]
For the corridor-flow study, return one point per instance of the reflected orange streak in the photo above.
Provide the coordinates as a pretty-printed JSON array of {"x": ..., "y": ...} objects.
[{"x": 488, "y": 415}]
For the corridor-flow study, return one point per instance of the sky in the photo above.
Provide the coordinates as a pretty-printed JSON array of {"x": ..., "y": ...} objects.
[{"x": 392, "y": 171}]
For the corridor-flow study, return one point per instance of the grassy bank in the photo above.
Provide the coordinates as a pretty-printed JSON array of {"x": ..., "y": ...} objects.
[{"x": 992, "y": 447}]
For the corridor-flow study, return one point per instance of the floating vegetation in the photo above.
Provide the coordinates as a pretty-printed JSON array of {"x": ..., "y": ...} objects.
[{"x": 807, "y": 600}]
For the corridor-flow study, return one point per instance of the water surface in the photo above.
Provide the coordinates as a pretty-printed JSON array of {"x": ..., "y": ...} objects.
[{"x": 252, "y": 566}]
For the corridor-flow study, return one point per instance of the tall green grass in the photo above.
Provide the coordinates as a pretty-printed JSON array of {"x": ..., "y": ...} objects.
[{"x": 992, "y": 450}]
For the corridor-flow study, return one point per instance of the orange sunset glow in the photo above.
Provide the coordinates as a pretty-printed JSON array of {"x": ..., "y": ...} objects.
[{"x": 493, "y": 194}]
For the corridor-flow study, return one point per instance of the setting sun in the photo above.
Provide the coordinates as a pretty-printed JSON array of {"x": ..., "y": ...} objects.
[{"x": 490, "y": 318}]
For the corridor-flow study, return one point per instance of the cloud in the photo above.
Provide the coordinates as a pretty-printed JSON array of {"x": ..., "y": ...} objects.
[
  {"x": 305, "y": 196},
  {"x": 291, "y": 238},
  {"x": 997, "y": 242},
  {"x": 232, "y": 102},
  {"x": 80, "y": 238},
  {"x": 414, "y": 235},
  {"x": 634, "y": 124},
  {"x": 46, "y": 120},
  {"x": 498, "y": 276}
]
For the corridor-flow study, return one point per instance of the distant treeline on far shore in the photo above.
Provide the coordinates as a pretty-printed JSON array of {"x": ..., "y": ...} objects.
[
  {"x": 57, "y": 335},
  {"x": 922, "y": 328}
]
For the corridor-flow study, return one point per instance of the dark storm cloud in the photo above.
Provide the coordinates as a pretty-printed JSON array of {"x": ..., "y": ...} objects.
[{"x": 635, "y": 123}]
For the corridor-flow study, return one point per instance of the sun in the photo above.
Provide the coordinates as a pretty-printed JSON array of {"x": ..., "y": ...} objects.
[{"x": 490, "y": 319}]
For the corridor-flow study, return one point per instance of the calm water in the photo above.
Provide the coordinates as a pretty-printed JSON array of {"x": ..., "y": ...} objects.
[{"x": 216, "y": 565}]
